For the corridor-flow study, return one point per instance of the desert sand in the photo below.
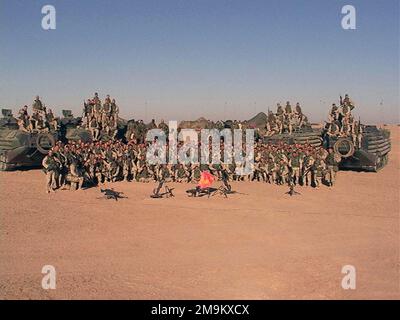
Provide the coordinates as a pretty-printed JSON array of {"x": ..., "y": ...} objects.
[{"x": 262, "y": 244}]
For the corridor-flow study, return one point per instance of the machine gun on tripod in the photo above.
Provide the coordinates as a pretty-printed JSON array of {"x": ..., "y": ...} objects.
[
  {"x": 291, "y": 191},
  {"x": 167, "y": 191}
]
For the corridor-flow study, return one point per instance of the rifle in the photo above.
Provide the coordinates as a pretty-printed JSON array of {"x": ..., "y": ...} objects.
[
  {"x": 304, "y": 172},
  {"x": 111, "y": 194},
  {"x": 87, "y": 177}
]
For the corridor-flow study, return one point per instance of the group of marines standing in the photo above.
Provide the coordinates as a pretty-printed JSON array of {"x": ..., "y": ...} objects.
[
  {"x": 285, "y": 120},
  {"x": 341, "y": 122},
  {"x": 75, "y": 163},
  {"x": 101, "y": 118},
  {"x": 295, "y": 164}
]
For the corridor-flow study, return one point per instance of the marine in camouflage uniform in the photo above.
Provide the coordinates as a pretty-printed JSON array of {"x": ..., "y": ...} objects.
[
  {"x": 106, "y": 111},
  {"x": 94, "y": 128},
  {"x": 23, "y": 119},
  {"x": 196, "y": 173},
  {"x": 115, "y": 170},
  {"x": 271, "y": 170},
  {"x": 319, "y": 171},
  {"x": 181, "y": 174},
  {"x": 333, "y": 114},
  {"x": 164, "y": 173},
  {"x": 295, "y": 163},
  {"x": 345, "y": 130},
  {"x": 114, "y": 109},
  {"x": 51, "y": 121},
  {"x": 74, "y": 176},
  {"x": 51, "y": 167},
  {"x": 356, "y": 134},
  {"x": 257, "y": 172},
  {"x": 37, "y": 105},
  {"x": 98, "y": 171},
  {"x": 333, "y": 129},
  {"x": 307, "y": 172},
  {"x": 87, "y": 111},
  {"x": 143, "y": 172},
  {"x": 126, "y": 165},
  {"x": 332, "y": 163},
  {"x": 283, "y": 172},
  {"x": 97, "y": 109},
  {"x": 279, "y": 117},
  {"x": 288, "y": 108}
]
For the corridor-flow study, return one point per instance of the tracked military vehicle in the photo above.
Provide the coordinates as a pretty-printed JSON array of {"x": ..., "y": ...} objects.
[
  {"x": 372, "y": 154},
  {"x": 300, "y": 135},
  {"x": 303, "y": 135},
  {"x": 19, "y": 149},
  {"x": 72, "y": 129}
]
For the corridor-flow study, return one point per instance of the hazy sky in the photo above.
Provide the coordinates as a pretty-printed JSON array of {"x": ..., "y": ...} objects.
[{"x": 218, "y": 59}]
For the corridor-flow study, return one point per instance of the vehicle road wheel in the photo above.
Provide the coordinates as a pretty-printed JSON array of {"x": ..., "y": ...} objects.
[
  {"x": 44, "y": 142},
  {"x": 344, "y": 147}
]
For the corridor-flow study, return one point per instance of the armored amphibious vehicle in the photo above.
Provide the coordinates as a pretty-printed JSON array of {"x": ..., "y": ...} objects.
[
  {"x": 21, "y": 149},
  {"x": 371, "y": 155}
]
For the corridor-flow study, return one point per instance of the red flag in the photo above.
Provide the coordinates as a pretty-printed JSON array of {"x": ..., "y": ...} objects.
[{"x": 206, "y": 179}]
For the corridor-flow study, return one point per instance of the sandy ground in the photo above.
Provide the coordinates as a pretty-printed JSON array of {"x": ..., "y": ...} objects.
[{"x": 261, "y": 245}]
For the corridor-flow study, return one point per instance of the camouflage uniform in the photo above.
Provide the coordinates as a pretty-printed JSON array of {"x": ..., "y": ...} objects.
[
  {"x": 51, "y": 167},
  {"x": 271, "y": 171},
  {"x": 319, "y": 170},
  {"x": 332, "y": 161},
  {"x": 282, "y": 172},
  {"x": 295, "y": 164},
  {"x": 74, "y": 176},
  {"x": 308, "y": 173}
]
